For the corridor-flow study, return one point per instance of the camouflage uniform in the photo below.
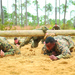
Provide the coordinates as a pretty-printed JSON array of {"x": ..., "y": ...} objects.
[
  {"x": 9, "y": 49},
  {"x": 56, "y": 27},
  {"x": 62, "y": 47},
  {"x": 36, "y": 40},
  {"x": 19, "y": 42}
]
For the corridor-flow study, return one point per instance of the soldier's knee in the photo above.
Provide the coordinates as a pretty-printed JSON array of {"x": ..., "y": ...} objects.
[{"x": 34, "y": 44}]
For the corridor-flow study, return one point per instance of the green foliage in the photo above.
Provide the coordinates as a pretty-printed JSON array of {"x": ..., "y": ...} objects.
[
  {"x": 32, "y": 19},
  {"x": 29, "y": 14},
  {"x": 74, "y": 28},
  {"x": 66, "y": 26},
  {"x": 2, "y": 27},
  {"x": 63, "y": 26},
  {"x": 8, "y": 23},
  {"x": 5, "y": 12},
  {"x": 52, "y": 22},
  {"x": 50, "y": 28},
  {"x": 0, "y": 20},
  {"x": 73, "y": 2},
  {"x": 49, "y": 7},
  {"x": 5, "y": 25}
]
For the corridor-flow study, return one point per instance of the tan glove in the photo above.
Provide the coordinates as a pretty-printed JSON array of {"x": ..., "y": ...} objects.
[{"x": 47, "y": 35}]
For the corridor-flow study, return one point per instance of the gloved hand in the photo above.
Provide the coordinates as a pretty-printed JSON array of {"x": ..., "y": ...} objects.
[{"x": 52, "y": 57}]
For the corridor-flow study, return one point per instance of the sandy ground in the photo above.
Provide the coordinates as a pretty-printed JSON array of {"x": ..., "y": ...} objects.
[{"x": 32, "y": 62}]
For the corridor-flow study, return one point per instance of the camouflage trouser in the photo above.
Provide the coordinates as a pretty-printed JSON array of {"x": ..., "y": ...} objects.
[
  {"x": 36, "y": 40},
  {"x": 35, "y": 43},
  {"x": 12, "y": 51},
  {"x": 42, "y": 41}
]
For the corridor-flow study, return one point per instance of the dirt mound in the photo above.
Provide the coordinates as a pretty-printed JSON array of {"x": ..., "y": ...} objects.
[{"x": 32, "y": 62}]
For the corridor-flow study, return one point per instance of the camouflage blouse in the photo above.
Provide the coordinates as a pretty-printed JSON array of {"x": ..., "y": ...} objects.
[
  {"x": 8, "y": 48},
  {"x": 62, "y": 47}
]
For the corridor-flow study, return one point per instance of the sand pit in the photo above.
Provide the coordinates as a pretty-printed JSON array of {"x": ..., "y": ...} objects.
[{"x": 32, "y": 62}]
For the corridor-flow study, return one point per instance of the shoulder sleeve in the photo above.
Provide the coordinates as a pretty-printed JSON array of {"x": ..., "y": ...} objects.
[
  {"x": 65, "y": 52},
  {"x": 26, "y": 41}
]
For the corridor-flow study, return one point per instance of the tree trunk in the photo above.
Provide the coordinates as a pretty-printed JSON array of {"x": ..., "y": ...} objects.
[
  {"x": 0, "y": 8},
  {"x": 26, "y": 13},
  {"x": 55, "y": 11},
  {"x": 8, "y": 9},
  {"x": 65, "y": 10},
  {"x": 45, "y": 12},
  {"x": 15, "y": 13},
  {"x": 59, "y": 12},
  {"x": 2, "y": 16},
  {"x": 37, "y": 12},
  {"x": 21, "y": 14},
  {"x": 48, "y": 18},
  {"x": 19, "y": 3}
]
